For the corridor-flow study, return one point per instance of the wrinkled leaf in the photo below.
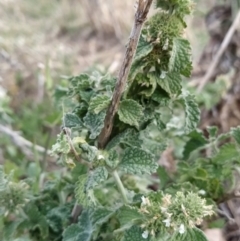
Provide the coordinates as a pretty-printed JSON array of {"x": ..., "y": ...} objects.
[
  {"x": 99, "y": 103},
  {"x": 94, "y": 123},
  {"x": 137, "y": 161},
  {"x": 130, "y": 112},
  {"x": 180, "y": 59}
]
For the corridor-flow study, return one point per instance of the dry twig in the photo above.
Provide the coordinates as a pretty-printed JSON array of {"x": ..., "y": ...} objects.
[
  {"x": 220, "y": 52},
  {"x": 24, "y": 145},
  {"x": 140, "y": 17}
]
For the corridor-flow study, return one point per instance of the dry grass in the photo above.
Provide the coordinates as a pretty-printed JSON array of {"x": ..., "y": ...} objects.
[{"x": 42, "y": 40}]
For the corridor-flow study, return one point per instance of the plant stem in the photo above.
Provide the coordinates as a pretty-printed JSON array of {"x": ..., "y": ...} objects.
[
  {"x": 120, "y": 186},
  {"x": 140, "y": 17}
]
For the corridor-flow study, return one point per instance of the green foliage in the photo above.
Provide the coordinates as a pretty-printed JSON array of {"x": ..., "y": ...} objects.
[
  {"x": 137, "y": 161},
  {"x": 130, "y": 112},
  {"x": 110, "y": 186}
]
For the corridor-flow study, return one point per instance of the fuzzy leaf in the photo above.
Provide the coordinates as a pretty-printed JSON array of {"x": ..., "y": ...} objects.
[
  {"x": 137, "y": 161},
  {"x": 36, "y": 219},
  {"x": 192, "y": 113},
  {"x": 130, "y": 112},
  {"x": 94, "y": 123},
  {"x": 127, "y": 215},
  {"x": 170, "y": 82},
  {"x": 99, "y": 103},
  {"x": 72, "y": 121},
  {"x": 235, "y": 132},
  {"x": 212, "y": 131},
  {"x": 180, "y": 61},
  {"x": 196, "y": 140},
  {"x": 81, "y": 193},
  {"x": 100, "y": 216},
  {"x": 81, "y": 231},
  {"x": 72, "y": 232},
  {"x": 143, "y": 48},
  {"x": 95, "y": 177},
  {"x": 137, "y": 66},
  {"x": 179, "y": 8},
  {"x": 227, "y": 152},
  {"x": 193, "y": 234},
  {"x": 135, "y": 234},
  {"x": 128, "y": 137}
]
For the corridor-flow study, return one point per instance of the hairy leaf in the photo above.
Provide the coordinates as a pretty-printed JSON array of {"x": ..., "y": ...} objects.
[
  {"x": 127, "y": 215},
  {"x": 99, "y": 103},
  {"x": 130, "y": 112},
  {"x": 129, "y": 137},
  {"x": 235, "y": 132},
  {"x": 212, "y": 130},
  {"x": 72, "y": 232},
  {"x": 137, "y": 161},
  {"x": 179, "y": 8},
  {"x": 81, "y": 193},
  {"x": 96, "y": 177},
  {"x": 72, "y": 121},
  {"x": 100, "y": 215},
  {"x": 193, "y": 234},
  {"x": 170, "y": 82},
  {"x": 137, "y": 66},
  {"x": 143, "y": 48},
  {"x": 81, "y": 231},
  {"x": 227, "y": 153},
  {"x": 192, "y": 113},
  {"x": 180, "y": 61},
  {"x": 135, "y": 234},
  {"x": 94, "y": 123},
  {"x": 36, "y": 219},
  {"x": 196, "y": 140}
]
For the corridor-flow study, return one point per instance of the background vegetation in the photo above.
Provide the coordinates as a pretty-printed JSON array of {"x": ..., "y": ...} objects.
[{"x": 43, "y": 42}]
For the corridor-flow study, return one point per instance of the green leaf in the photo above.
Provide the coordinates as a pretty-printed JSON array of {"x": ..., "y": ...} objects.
[
  {"x": 143, "y": 48},
  {"x": 89, "y": 153},
  {"x": 162, "y": 97},
  {"x": 72, "y": 232},
  {"x": 99, "y": 103},
  {"x": 72, "y": 121},
  {"x": 36, "y": 219},
  {"x": 180, "y": 59},
  {"x": 192, "y": 112},
  {"x": 130, "y": 112},
  {"x": 81, "y": 231},
  {"x": 62, "y": 145},
  {"x": 235, "y": 132},
  {"x": 134, "y": 234},
  {"x": 100, "y": 215},
  {"x": 94, "y": 123},
  {"x": 137, "y": 66},
  {"x": 96, "y": 177},
  {"x": 128, "y": 137},
  {"x": 10, "y": 230},
  {"x": 163, "y": 176},
  {"x": 193, "y": 234},
  {"x": 81, "y": 82},
  {"x": 81, "y": 193},
  {"x": 170, "y": 82},
  {"x": 137, "y": 161},
  {"x": 212, "y": 130},
  {"x": 227, "y": 152},
  {"x": 200, "y": 173},
  {"x": 127, "y": 215},
  {"x": 196, "y": 140}
]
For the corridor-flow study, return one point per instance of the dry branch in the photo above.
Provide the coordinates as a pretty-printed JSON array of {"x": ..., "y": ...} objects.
[
  {"x": 24, "y": 145},
  {"x": 140, "y": 17},
  {"x": 220, "y": 52}
]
